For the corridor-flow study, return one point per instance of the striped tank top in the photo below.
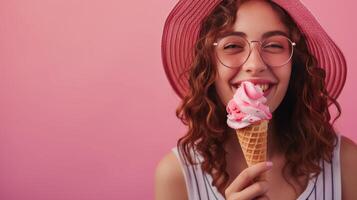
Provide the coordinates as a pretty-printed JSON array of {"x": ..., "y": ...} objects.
[{"x": 325, "y": 186}]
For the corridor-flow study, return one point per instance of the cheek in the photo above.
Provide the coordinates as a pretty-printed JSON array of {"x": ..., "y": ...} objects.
[
  {"x": 222, "y": 84},
  {"x": 223, "y": 91},
  {"x": 284, "y": 78}
]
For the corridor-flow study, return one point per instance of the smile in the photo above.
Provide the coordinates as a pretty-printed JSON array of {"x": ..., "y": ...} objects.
[{"x": 266, "y": 87}]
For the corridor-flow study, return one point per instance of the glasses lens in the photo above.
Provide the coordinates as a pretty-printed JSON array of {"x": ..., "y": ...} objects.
[
  {"x": 276, "y": 50},
  {"x": 232, "y": 51}
]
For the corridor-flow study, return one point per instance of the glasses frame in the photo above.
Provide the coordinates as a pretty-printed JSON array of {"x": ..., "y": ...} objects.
[{"x": 260, "y": 42}]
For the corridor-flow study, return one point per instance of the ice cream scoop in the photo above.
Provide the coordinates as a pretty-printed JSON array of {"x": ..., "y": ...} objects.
[{"x": 247, "y": 106}]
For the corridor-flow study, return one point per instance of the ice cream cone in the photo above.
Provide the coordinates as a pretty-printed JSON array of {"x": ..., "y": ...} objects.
[{"x": 253, "y": 141}]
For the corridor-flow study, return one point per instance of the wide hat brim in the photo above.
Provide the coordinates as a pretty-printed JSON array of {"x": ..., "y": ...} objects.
[{"x": 181, "y": 31}]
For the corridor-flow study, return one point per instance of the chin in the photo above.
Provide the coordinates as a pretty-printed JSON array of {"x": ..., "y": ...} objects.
[{"x": 272, "y": 108}]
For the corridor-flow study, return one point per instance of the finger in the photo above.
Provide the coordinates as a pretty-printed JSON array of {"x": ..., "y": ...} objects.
[
  {"x": 261, "y": 177},
  {"x": 247, "y": 176},
  {"x": 255, "y": 191},
  {"x": 262, "y": 198}
]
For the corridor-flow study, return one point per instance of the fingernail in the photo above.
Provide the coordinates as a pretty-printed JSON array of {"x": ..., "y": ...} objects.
[{"x": 269, "y": 163}]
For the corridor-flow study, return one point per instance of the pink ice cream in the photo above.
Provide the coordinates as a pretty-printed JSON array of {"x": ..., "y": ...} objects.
[{"x": 247, "y": 106}]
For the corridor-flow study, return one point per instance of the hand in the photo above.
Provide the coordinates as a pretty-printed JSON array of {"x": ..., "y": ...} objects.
[{"x": 247, "y": 186}]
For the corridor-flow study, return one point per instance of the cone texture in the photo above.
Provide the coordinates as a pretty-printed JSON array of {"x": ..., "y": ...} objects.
[{"x": 253, "y": 140}]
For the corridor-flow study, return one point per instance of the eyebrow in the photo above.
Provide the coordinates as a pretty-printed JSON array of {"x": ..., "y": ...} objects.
[{"x": 265, "y": 35}]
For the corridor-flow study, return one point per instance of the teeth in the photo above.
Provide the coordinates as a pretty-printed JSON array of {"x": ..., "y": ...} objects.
[{"x": 264, "y": 87}]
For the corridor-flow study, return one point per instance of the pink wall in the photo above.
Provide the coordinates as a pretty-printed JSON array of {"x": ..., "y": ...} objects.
[{"x": 82, "y": 86}]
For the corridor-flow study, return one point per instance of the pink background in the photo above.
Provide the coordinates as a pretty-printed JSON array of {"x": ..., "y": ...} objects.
[{"x": 86, "y": 109}]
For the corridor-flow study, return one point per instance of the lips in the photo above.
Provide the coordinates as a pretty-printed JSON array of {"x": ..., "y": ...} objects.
[{"x": 265, "y": 85}]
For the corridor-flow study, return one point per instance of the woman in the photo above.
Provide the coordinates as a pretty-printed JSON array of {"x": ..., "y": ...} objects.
[{"x": 307, "y": 158}]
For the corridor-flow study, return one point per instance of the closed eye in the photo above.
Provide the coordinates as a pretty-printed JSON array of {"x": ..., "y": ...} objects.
[
  {"x": 232, "y": 46},
  {"x": 274, "y": 46}
]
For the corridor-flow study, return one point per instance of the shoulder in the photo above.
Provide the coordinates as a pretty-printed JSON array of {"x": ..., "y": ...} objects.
[
  {"x": 169, "y": 179},
  {"x": 348, "y": 156},
  {"x": 348, "y": 151}
]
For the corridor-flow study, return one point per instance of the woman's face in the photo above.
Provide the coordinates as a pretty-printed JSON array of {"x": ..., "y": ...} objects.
[{"x": 255, "y": 19}]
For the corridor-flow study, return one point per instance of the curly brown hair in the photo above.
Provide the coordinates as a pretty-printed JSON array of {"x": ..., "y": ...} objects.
[{"x": 301, "y": 124}]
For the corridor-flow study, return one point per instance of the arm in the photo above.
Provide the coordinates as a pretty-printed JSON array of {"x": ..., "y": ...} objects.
[
  {"x": 169, "y": 179},
  {"x": 348, "y": 168}
]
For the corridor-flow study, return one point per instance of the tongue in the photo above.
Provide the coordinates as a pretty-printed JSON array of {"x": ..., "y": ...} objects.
[{"x": 251, "y": 91}]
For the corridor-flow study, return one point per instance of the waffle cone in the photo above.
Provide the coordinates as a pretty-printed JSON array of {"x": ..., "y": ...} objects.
[{"x": 253, "y": 141}]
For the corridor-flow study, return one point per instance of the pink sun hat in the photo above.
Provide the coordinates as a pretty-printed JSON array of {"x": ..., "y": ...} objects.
[{"x": 183, "y": 24}]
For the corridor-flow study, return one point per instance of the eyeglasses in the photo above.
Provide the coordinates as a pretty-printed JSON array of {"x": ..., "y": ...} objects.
[{"x": 234, "y": 50}]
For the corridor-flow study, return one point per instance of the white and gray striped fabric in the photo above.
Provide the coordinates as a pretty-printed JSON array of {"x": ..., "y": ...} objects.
[{"x": 326, "y": 186}]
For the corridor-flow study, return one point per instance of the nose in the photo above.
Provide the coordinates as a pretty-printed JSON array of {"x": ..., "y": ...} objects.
[{"x": 254, "y": 63}]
